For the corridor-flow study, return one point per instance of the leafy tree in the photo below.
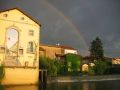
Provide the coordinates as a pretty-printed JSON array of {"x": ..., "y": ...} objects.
[
  {"x": 57, "y": 67},
  {"x": 53, "y": 66},
  {"x": 96, "y": 49},
  {"x": 49, "y": 64},
  {"x": 73, "y": 62},
  {"x": 101, "y": 67},
  {"x": 61, "y": 69},
  {"x": 91, "y": 70}
]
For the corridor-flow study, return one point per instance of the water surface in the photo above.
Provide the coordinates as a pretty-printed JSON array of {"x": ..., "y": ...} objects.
[
  {"x": 33, "y": 87},
  {"x": 101, "y": 85}
]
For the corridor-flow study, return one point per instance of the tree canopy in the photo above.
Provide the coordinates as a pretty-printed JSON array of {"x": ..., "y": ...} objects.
[
  {"x": 96, "y": 49},
  {"x": 73, "y": 62}
]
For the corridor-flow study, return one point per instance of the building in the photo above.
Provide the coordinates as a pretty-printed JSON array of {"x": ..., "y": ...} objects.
[
  {"x": 55, "y": 51},
  {"x": 115, "y": 65},
  {"x": 19, "y": 47},
  {"x": 69, "y": 50},
  {"x": 49, "y": 51},
  {"x": 116, "y": 61}
]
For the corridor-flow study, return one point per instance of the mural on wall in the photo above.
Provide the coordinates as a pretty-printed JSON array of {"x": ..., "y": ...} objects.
[{"x": 12, "y": 42}]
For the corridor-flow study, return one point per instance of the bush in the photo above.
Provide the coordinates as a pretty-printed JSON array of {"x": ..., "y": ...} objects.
[
  {"x": 1, "y": 87},
  {"x": 73, "y": 62},
  {"x": 57, "y": 67},
  {"x": 53, "y": 66},
  {"x": 101, "y": 67},
  {"x": 2, "y": 72},
  {"x": 47, "y": 63},
  {"x": 91, "y": 70},
  {"x": 60, "y": 67}
]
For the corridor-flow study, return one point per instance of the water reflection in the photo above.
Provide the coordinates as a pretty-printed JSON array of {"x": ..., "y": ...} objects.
[
  {"x": 33, "y": 87},
  {"x": 88, "y": 86},
  {"x": 85, "y": 86},
  {"x": 42, "y": 87},
  {"x": 104, "y": 85}
]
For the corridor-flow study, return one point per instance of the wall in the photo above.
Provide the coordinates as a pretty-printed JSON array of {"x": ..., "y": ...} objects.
[
  {"x": 19, "y": 76},
  {"x": 70, "y": 51},
  {"x": 17, "y": 20},
  {"x": 50, "y": 51},
  {"x": 116, "y": 61}
]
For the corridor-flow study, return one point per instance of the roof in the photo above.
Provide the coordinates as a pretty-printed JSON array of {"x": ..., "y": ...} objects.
[
  {"x": 41, "y": 49},
  {"x": 23, "y": 13},
  {"x": 115, "y": 58},
  {"x": 66, "y": 47},
  {"x": 60, "y": 46}
]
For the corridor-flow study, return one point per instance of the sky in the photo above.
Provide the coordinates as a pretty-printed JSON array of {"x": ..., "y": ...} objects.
[{"x": 74, "y": 22}]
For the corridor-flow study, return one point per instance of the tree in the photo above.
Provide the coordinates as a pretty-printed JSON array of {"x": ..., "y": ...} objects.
[
  {"x": 101, "y": 67},
  {"x": 96, "y": 49},
  {"x": 73, "y": 62},
  {"x": 49, "y": 65},
  {"x": 53, "y": 66},
  {"x": 91, "y": 70}
]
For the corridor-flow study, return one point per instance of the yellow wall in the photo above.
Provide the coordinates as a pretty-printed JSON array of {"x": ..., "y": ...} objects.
[
  {"x": 50, "y": 51},
  {"x": 85, "y": 68},
  {"x": 19, "y": 76},
  {"x": 116, "y": 61},
  {"x": 13, "y": 20}
]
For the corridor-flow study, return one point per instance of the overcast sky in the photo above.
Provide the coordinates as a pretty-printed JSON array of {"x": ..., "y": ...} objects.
[{"x": 75, "y": 22}]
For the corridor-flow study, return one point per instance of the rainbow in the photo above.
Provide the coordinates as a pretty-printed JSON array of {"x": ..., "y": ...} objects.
[{"x": 67, "y": 20}]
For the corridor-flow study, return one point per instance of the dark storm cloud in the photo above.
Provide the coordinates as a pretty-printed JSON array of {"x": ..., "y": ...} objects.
[
  {"x": 92, "y": 17},
  {"x": 95, "y": 18}
]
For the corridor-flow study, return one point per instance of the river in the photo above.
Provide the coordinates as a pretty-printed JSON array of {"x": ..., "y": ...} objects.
[{"x": 101, "y": 85}]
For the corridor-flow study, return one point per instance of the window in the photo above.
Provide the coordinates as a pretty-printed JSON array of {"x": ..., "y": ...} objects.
[
  {"x": 31, "y": 32},
  {"x": 2, "y": 49},
  {"x": 5, "y": 15},
  {"x": 30, "y": 47},
  {"x": 22, "y": 18},
  {"x": 20, "y": 51}
]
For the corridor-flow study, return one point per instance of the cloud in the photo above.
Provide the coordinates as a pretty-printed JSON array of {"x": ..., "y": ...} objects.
[{"x": 91, "y": 18}]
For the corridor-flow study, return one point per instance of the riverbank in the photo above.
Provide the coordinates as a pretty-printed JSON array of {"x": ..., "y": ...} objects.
[{"x": 84, "y": 78}]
